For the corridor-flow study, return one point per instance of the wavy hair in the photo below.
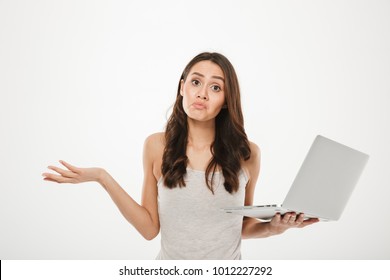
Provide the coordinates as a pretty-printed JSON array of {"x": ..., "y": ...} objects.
[{"x": 230, "y": 145}]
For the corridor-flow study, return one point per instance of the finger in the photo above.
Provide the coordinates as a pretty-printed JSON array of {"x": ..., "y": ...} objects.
[
  {"x": 312, "y": 220},
  {"x": 65, "y": 173},
  {"x": 69, "y": 166},
  {"x": 57, "y": 178},
  {"x": 48, "y": 179},
  {"x": 309, "y": 222},
  {"x": 277, "y": 218},
  {"x": 292, "y": 218},
  {"x": 301, "y": 218},
  {"x": 286, "y": 218}
]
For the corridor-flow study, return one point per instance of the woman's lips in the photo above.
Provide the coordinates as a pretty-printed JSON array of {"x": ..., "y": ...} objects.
[{"x": 199, "y": 105}]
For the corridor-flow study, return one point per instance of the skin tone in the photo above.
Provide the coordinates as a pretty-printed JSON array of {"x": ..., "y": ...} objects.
[{"x": 203, "y": 98}]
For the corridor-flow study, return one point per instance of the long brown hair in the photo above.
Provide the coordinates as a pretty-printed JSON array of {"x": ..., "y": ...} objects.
[{"x": 230, "y": 145}]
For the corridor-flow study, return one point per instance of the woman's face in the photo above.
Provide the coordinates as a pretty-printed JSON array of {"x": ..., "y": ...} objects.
[{"x": 203, "y": 91}]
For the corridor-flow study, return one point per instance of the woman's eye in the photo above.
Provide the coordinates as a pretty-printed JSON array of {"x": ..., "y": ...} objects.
[
  {"x": 216, "y": 88},
  {"x": 195, "y": 82}
]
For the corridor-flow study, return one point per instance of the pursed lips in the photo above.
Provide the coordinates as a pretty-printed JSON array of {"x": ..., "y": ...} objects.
[{"x": 199, "y": 105}]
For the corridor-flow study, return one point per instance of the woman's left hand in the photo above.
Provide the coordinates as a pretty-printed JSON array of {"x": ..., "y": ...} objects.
[{"x": 280, "y": 224}]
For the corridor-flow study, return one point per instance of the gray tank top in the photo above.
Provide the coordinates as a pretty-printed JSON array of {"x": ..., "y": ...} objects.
[{"x": 191, "y": 221}]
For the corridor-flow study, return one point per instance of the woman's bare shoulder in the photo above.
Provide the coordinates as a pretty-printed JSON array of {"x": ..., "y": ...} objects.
[
  {"x": 155, "y": 143},
  {"x": 157, "y": 138},
  {"x": 252, "y": 165},
  {"x": 255, "y": 150}
]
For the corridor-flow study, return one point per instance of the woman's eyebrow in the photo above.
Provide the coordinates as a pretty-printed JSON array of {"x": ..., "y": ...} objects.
[{"x": 215, "y": 77}]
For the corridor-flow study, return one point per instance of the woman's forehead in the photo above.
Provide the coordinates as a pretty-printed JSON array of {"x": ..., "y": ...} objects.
[{"x": 208, "y": 69}]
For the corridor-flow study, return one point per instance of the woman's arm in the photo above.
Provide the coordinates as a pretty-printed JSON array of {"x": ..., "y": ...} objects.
[
  {"x": 143, "y": 217},
  {"x": 254, "y": 228}
]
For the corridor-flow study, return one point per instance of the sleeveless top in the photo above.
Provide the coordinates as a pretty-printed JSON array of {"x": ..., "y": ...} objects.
[{"x": 192, "y": 224}]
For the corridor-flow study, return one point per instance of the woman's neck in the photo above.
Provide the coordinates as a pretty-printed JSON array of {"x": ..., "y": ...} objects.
[{"x": 201, "y": 134}]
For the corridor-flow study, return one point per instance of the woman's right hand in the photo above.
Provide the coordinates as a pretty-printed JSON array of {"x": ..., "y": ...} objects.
[{"x": 72, "y": 174}]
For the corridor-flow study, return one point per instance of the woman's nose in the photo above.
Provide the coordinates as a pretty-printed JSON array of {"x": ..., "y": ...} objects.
[{"x": 202, "y": 94}]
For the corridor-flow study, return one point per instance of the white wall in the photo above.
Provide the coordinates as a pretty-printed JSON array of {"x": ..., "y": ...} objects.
[{"x": 87, "y": 81}]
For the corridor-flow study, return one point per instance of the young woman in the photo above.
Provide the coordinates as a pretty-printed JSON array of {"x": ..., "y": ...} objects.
[{"x": 200, "y": 164}]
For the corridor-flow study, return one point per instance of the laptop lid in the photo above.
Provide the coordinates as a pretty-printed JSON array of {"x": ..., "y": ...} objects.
[
  {"x": 326, "y": 179},
  {"x": 322, "y": 187}
]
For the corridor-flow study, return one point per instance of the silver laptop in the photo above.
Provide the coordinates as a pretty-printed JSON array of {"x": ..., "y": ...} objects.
[{"x": 322, "y": 186}]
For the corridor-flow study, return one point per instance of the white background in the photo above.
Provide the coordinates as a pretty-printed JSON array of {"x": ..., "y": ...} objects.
[{"x": 87, "y": 81}]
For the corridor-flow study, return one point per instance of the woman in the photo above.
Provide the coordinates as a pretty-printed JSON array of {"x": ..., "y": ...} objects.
[{"x": 200, "y": 164}]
